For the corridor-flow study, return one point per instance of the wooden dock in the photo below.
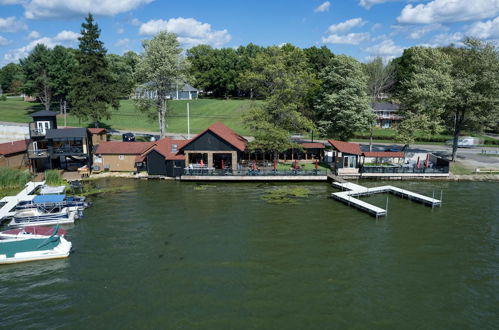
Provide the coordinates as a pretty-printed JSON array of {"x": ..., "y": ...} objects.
[
  {"x": 352, "y": 190},
  {"x": 10, "y": 202}
]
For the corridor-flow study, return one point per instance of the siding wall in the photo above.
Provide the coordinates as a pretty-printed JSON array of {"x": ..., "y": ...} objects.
[
  {"x": 16, "y": 161},
  {"x": 116, "y": 165}
]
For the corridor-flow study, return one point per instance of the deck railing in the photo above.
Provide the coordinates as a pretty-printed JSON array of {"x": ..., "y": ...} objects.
[
  {"x": 38, "y": 153},
  {"x": 67, "y": 150},
  {"x": 251, "y": 172},
  {"x": 404, "y": 169}
]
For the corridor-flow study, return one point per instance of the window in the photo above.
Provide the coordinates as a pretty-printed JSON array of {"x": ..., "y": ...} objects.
[
  {"x": 174, "y": 148},
  {"x": 121, "y": 157}
]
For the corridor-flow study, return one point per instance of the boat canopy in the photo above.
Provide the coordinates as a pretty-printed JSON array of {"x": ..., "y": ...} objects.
[
  {"x": 39, "y": 199},
  {"x": 46, "y": 190}
]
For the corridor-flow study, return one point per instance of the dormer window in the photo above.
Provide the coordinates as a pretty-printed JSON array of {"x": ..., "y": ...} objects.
[
  {"x": 174, "y": 148},
  {"x": 43, "y": 126}
]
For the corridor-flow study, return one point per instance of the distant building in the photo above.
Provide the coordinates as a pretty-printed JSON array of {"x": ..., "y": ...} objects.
[
  {"x": 179, "y": 92},
  {"x": 120, "y": 156},
  {"x": 386, "y": 114},
  {"x": 13, "y": 154}
]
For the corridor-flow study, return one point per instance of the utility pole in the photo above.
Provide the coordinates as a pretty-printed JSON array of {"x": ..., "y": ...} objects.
[{"x": 188, "y": 123}]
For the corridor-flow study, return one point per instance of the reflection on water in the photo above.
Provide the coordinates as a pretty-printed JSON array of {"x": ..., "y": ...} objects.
[{"x": 170, "y": 254}]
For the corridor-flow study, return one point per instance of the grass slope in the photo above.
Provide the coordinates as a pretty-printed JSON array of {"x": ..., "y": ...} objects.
[{"x": 203, "y": 112}]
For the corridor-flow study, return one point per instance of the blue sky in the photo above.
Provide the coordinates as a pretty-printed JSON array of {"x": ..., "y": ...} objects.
[{"x": 360, "y": 28}]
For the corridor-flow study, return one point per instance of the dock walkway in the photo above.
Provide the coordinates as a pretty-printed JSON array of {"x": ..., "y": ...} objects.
[
  {"x": 352, "y": 190},
  {"x": 12, "y": 201}
]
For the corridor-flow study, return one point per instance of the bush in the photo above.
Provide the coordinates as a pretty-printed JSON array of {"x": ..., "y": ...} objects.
[
  {"x": 53, "y": 178},
  {"x": 3, "y": 97},
  {"x": 12, "y": 178}
]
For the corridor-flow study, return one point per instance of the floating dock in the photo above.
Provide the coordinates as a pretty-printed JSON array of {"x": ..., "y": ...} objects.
[
  {"x": 10, "y": 202},
  {"x": 352, "y": 190}
]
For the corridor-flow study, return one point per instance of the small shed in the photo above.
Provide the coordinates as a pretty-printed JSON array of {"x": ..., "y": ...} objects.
[
  {"x": 119, "y": 156},
  {"x": 13, "y": 154},
  {"x": 345, "y": 156},
  {"x": 98, "y": 135},
  {"x": 165, "y": 158}
]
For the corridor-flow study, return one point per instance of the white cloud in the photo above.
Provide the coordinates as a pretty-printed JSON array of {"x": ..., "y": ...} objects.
[
  {"x": 120, "y": 30},
  {"x": 46, "y": 9},
  {"x": 135, "y": 21},
  {"x": 349, "y": 39},
  {"x": 485, "y": 30},
  {"x": 386, "y": 49},
  {"x": 34, "y": 35},
  {"x": 323, "y": 7},
  {"x": 190, "y": 32},
  {"x": 369, "y": 3},
  {"x": 4, "y": 41},
  {"x": 11, "y": 2},
  {"x": 448, "y": 11},
  {"x": 123, "y": 43},
  {"x": 346, "y": 25},
  {"x": 11, "y": 24},
  {"x": 376, "y": 27},
  {"x": 421, "y": 32},
  {"x": 66, "y": 38},
  {"x": 445, "y": 39}
]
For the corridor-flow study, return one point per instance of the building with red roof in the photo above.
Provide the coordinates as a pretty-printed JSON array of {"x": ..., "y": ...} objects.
[
  {"x": 216, "y": 147},
  {"x": 98, "y": 135},
  {"x": 120, "y": 156},
  {"x": 13, "y": 154},
  {"x": 345, "y": 156},
  {"x": 165, "y": 158}
]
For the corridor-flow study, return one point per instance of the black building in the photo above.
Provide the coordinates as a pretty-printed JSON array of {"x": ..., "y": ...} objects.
[{"x": 50, "y": 147}]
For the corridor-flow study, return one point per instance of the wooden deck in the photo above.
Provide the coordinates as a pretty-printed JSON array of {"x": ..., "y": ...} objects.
[
  {"x": 352, "y": 190},
  {"x": 12, "y": 201}
]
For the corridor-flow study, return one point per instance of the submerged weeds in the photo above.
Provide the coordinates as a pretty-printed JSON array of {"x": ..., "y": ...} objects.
[{"x": 286, "y": 195}]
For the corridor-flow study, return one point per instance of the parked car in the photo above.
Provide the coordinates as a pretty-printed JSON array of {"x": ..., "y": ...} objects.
[{"x": 128, "y": 137}]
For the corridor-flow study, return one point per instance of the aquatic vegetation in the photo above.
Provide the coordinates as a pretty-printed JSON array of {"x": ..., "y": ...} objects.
[
  {"x": 202, "y": 187},
  {"x": 286, "y": 195},
  {"x": 54, "y": 178},
  {"x": 12, "y": 180}
]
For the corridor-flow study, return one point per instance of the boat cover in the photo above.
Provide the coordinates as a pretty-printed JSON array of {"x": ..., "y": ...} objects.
[
  {"x": 39, "y": 199},
  {"x": 46, "y": 190}
]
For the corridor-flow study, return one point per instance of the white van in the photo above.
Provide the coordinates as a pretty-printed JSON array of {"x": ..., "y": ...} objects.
[{"x": 465, "y": 142}]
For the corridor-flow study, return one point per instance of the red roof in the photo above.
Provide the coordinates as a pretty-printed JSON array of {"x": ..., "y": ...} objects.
[
  {"x": 123, "y": 148},
  {"x": 313, "y": 145},
  {"x": 13, "y": 147},
  {"x": 384, "y": 154},
  {"x": 164, "y": 147},
  {"x": 346, "y": 147},
  {"x": 226, "y": 134},
  {"x": 97, "y": 130}
]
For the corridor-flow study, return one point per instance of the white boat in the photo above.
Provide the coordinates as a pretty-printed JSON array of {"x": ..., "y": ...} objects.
[
  {"x": 23, "y": 249},
  {"x": 35, "y": 217},
  {"x": 32, "y": 232}
]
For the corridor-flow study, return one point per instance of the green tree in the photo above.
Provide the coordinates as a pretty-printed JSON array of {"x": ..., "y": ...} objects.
[
  {"x": 123, "y": 70},
  {"x": 380, "y": 77},
  {"x": 93, "y": 87},
  {"x": 425, "y": 91},
  {"x": 282, "y": 76},
  {"x": 38, "y": 79},
  {"x": 63, "y": 66},
  {"x": 343, "y": 107},
  {"x": 11, "y": 78},
  {"x": 474, "y": 105},
  {"x": 160, "y": 68}
]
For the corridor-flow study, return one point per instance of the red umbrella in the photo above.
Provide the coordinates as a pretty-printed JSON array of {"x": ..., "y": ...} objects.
[
  {"x": 316, "y": 164},
  {"x": 254, "y": 165},
  {"x": 202, "y": 163},
  {"x": 417, "y": 164},
  {"x": 427, "y": 160},
  {"x": 296, "y": 164},
  {"x": 223, "y": 164},
  {"x": 275, "y": 164}
]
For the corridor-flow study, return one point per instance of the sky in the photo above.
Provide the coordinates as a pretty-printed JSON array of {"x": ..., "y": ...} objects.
[{"x": 359, "y": 28}]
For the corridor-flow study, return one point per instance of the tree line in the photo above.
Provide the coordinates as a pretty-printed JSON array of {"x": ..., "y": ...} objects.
[{"x": 453, "y": 89}]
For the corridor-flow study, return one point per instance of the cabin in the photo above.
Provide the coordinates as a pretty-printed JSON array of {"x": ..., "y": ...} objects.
[
  {"x": 165, "y": 159},
  {"x": 52, "y": 147},
  {"x": 98, "y": 135},
  {"x": 178, "y": 92},
  {"x": 13, "y": 154},
  {"x": 216, "y": 146},
  {"x": 116, "y": 156},
  {"x": 386, "y": 114},
  {"x": 345, "y": 157}
]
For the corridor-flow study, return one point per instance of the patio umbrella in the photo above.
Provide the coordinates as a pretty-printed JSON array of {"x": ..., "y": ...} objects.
[
  {"x": 254, "y": 165},
  {"x": 427, "y": 160},
  {"x": 223, "y": 164},
  {"x": 296, "y": 164},
  {"x": 202, "y": 163},
  {"x": 417, "y": 163},
  {"x": 316, "y": 164},
  {"x": 275, "y": 164}
]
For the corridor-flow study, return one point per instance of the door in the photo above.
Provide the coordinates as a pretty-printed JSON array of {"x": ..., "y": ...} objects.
[{"x": 349, "y": 161}]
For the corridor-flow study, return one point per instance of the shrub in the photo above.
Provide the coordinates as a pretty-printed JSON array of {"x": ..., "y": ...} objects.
[
  {"x": 12, "y": 178},
  {"x": 53, "y": 178}
]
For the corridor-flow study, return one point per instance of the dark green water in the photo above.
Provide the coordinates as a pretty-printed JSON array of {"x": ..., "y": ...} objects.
[{"x": 167, "y": 255}]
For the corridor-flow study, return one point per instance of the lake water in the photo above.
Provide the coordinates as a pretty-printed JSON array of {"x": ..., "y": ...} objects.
[{"x": 182, "y": 255}]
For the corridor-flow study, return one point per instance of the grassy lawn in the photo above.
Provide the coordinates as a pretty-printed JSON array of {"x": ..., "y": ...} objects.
[
  {"x": 459, "y": 169},
  {"x": 203, "y": 112}
]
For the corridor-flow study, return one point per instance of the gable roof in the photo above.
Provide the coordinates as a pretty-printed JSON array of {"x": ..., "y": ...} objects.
[
  {"x": 13, "y": 147},
  {"x": 384, "y": 154},
  {"x": 164, "y": 147},
  {"x": 226, "y": 134},
  {"x": 346, "y": 147},
  {"x": 123, "y": 148},
  {"x": 66, "y": 133},
  {"x": 43, "y": 113},
  {"x": 96, "y": 130}
]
